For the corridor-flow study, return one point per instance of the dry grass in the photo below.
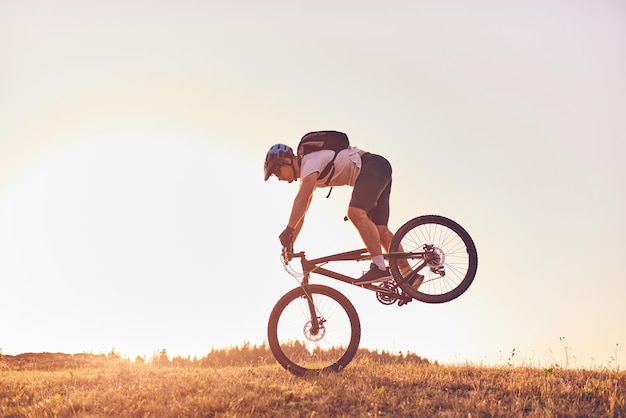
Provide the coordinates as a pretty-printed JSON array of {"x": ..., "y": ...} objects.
[{"x": 113, "y": 387}]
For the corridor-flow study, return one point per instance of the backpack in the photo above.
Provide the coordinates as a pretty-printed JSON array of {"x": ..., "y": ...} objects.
[{"x": 321, "y": 140}]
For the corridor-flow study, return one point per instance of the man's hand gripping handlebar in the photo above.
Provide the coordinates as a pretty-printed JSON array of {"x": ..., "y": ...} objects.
[
  {"x": 286, "y": 239},
  {"x": 287, "y": 254}
]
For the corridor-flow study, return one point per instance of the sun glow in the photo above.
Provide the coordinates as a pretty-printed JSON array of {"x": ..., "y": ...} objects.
[{"x": 109, "y": 238}]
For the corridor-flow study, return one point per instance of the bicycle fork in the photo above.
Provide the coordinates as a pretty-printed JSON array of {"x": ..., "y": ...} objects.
[{"x": 316, "y": 322}]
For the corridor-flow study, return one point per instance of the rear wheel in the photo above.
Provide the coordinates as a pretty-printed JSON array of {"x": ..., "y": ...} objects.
[
  {"x": 302, "y": 347},
  {"x": 442, "y": 251}
]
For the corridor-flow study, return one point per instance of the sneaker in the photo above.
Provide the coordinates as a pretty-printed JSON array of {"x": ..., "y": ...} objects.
[
  {"x": 413, "y": 278},
  {"x": 374, "y": 275}
]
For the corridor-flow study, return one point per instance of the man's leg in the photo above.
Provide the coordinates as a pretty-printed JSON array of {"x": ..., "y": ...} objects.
[
  {"x": 370, "y": 188},
  {"x": 385, "y": 236},
  {"x": 368, "y": 231},
  {"x": 415, "y": 279},
  {"x": 369, "y": 234}
]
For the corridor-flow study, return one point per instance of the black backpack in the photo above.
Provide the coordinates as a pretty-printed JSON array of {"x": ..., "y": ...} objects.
[{"x": 321, "y": 140}]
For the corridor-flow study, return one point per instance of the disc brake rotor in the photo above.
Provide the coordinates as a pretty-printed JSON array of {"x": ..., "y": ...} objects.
[
  {"x": 310, "y": 335},
  {"x": 435, "y": 258}
]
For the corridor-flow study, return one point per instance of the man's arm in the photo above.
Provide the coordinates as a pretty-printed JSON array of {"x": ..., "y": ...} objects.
[
  {"x": 300, "y": 205},
  {"x": 302, "y": 201}
]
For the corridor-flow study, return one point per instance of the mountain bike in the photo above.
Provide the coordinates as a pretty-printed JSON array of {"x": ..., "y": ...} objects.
[{"x": 315, "y": 328}]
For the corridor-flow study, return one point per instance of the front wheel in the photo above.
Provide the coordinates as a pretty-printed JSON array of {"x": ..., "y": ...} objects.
[
  {"x": 302, "y": 343},
  {"x": 439, "y": 249}
]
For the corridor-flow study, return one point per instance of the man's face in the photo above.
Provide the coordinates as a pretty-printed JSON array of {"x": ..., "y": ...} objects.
[{"x": 287, "y": 172}]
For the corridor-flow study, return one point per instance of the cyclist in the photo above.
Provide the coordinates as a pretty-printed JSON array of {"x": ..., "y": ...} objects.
[{"x": 369, "y": 175}]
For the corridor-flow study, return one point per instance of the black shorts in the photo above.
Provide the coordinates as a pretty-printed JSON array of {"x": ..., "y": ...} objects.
[{"x": 372, "y": 188}]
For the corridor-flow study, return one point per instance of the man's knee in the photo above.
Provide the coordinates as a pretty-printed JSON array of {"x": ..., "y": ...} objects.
[{"x": 356, "y": 214}]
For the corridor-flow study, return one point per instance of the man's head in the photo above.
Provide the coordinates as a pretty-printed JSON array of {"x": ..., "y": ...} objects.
[{"x": 281, "y": 162}]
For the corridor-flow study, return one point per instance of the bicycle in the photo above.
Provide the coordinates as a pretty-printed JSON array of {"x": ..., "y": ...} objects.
[{"x": 315, "y": 328}]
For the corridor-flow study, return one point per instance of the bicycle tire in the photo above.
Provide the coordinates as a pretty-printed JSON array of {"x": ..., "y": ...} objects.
[
  {"x": 454, "y": 247},
  {"x": 289, "y": 332}
]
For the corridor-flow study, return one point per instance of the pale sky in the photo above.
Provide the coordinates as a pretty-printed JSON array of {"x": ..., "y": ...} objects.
[{"x": 133, "y": 212}]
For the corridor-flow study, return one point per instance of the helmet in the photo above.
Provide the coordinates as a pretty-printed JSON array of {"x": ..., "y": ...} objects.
[{"x": 274, "y": 158}]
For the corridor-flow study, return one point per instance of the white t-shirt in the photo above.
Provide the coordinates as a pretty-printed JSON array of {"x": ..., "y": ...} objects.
[{"x": 347, "y": 166}]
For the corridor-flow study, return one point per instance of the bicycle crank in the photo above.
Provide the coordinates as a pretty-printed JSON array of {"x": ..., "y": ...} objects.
[{"x": 388, "y": 293}]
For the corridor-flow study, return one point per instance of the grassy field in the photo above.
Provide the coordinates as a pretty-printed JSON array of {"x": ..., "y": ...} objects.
[{"x": 59, "y": 385}]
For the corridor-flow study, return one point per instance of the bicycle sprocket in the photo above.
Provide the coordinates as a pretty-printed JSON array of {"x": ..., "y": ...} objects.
[{"x": 390, "y": 294}]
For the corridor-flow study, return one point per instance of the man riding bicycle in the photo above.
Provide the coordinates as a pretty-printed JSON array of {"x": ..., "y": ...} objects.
[{"x": 369, "y": 175}]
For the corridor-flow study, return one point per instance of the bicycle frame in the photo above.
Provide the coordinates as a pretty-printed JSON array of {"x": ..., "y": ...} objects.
[{"x": 315, "y": 266}]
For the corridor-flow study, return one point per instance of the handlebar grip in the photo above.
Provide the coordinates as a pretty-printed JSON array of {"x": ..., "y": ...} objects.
[{"x": 287, "y": 254}]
